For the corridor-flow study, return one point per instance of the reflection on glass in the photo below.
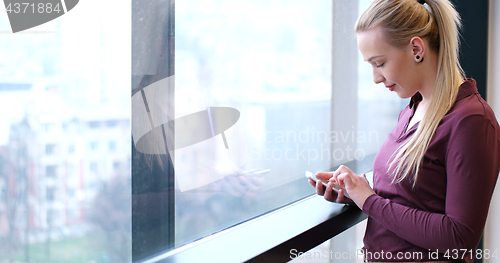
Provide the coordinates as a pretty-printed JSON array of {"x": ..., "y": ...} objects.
[
  {"x": 153, "y": 40},
  {"x": 275, "y": 70}
]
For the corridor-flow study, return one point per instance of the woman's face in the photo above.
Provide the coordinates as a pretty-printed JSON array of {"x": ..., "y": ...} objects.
[{"x": 393, "y": 66}]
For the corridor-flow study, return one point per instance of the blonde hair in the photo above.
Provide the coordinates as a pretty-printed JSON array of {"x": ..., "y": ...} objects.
[{"x": 439, "y": 22}]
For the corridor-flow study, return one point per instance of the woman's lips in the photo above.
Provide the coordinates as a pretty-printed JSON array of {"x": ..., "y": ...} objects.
[{"x": 391, "y": 87}]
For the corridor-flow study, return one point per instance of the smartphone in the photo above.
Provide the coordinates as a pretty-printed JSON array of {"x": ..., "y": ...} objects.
[{"x": 336, "y": 188}]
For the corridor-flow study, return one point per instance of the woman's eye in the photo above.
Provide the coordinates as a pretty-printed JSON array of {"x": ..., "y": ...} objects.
[{"x": 380, "y": 65}]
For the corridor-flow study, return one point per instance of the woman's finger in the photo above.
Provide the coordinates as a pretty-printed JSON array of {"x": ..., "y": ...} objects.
[
  {"x": 344, "y": 169},
  {"x": 330, "y": 195},
  {"x": 341, "y": 196},
  {"x": 343, "y": 179},
  {"x": 324, "y": 175},
  {"x": 320, "y": 189},
  {"x": 336, "y": 173}
]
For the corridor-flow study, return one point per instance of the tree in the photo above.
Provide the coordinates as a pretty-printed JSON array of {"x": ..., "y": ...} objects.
[{"x": 111, "y": 212}]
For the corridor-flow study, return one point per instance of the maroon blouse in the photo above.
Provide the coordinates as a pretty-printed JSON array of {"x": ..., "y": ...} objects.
[{"x": 447, "y": 209}]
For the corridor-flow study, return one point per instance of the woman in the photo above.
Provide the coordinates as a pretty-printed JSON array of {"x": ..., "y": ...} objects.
[{"x": 435, "y": 173}]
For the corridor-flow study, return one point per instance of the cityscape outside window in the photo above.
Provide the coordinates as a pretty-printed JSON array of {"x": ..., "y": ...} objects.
[{"x": 64, "y": 85}]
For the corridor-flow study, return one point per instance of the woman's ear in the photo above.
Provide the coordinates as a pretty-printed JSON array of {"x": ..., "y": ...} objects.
[{"x": 418, "y": 48}]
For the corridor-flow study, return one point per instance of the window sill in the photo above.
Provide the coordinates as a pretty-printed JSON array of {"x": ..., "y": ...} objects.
[{"x": 301, "y": 225}]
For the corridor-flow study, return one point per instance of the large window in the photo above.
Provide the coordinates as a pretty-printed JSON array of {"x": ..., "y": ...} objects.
[
  {"x": 275, "y": 72},
  {"x": 129, "y": 133},
  {"x": 233, "y": 101}
]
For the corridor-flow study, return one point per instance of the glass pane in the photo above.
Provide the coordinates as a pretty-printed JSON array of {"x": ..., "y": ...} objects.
[
  {"x": 262, "y": 83},
  {"x": 233, "y": 101},
  {"x": 64, "y": 195}
]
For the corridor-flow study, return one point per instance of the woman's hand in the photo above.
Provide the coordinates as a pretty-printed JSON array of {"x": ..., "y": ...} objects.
[
  {"x": 327, "y": 192},
  {"x": 357, "y": 187}
]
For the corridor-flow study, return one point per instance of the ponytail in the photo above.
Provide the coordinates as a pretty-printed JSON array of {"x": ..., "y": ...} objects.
[{"x": 438, "y": 21}]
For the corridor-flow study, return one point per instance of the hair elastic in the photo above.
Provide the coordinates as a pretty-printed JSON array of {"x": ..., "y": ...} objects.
[{"x": 422, "y": 2}]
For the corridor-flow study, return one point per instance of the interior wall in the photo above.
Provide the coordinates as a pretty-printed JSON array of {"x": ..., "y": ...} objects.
[{"x": 492, "y": 230}]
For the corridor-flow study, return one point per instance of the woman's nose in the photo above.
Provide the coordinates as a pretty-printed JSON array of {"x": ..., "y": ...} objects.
[{"x": 377, "y": 77}]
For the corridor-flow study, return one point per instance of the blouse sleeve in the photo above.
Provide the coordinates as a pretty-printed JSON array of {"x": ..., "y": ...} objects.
[{"x": 472, "y": 169}]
